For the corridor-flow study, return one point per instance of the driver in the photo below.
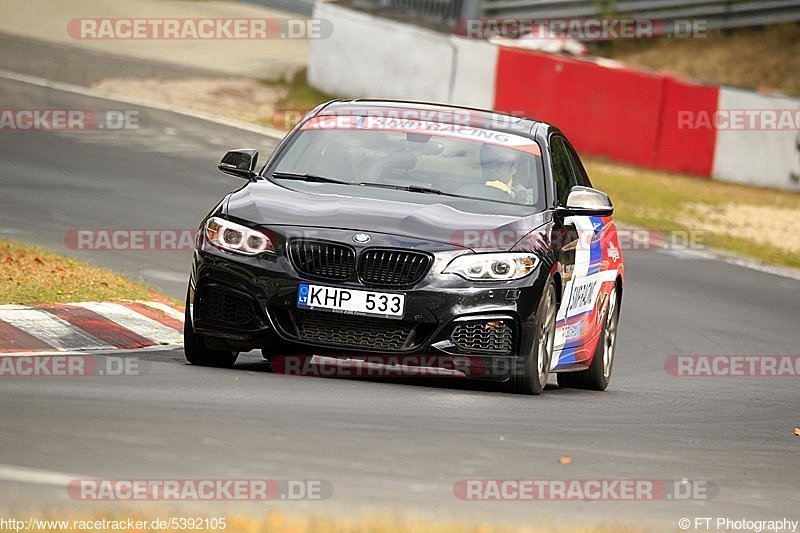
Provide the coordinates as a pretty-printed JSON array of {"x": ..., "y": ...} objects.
[{"x": 499, "y": 165}]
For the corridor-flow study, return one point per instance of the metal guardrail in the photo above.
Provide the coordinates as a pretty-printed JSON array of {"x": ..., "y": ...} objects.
[
  {"x": 445, "y": 10},
  {"x": 431, "y": 11},
  {"x": 718, "y": 14}
]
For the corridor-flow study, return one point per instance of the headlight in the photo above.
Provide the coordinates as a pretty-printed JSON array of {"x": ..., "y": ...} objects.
[
  {"x": 487, "y": 267},
  {"x": 237, "y": 238}
]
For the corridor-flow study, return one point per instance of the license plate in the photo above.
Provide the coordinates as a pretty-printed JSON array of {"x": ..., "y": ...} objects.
[{"x": 350, "y": 301}]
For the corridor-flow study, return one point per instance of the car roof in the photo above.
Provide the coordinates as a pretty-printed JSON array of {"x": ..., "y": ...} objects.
[{"x": 471, "y": 116}]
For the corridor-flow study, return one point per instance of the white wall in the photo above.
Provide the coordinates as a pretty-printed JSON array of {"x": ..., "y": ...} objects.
[
  {"x": 368, "y": 56},
  {"x": 475, "y": 70},
  {"x": 767, "y": 158}
]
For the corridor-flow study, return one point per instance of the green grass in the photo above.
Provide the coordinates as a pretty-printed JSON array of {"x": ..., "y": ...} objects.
[
  {"x": 32, "y": 275},
  {"x": 299, "y": 97},
  {"x": 765, "y": 57}
]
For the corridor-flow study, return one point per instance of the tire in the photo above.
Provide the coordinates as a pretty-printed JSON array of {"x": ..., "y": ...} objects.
[
  {"x": 532, "y": 377},
  {"x": 195, "y": 350},
  {"x": 598, "y": 375}
]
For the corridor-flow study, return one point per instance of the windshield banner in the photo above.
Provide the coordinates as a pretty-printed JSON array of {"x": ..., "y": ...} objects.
[{"x": 352, "y": 122}]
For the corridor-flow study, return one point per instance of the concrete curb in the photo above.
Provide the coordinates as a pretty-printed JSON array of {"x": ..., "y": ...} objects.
[{"x": 89, "y": 327}]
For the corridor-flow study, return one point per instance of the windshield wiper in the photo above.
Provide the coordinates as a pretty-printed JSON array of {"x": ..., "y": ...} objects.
[
  {"x": 424, "y": 190},
  {"x": 308, "y": 177},
  {"x": 323, "y": 179},
  {"x": 411, "y": 188}
]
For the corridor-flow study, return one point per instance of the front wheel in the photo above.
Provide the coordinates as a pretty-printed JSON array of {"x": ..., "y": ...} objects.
[
  {"x": 531, "y": 378},
  {"x": 195, "y": 350},
  {"x": 597, "y": 376}
]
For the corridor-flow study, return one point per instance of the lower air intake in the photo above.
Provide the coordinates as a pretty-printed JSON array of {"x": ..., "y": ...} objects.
[
  {"x": 217, "y": 305},
  {"x": 484, "y": 336}
]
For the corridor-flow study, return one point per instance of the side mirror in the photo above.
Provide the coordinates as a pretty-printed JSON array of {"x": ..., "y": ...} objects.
[
  {"x": 585, "y": 201},
  {"x": 240, "y": 163}
]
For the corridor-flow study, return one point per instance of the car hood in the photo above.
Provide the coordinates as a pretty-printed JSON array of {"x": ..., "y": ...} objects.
[{"x": 474, "y": 224}]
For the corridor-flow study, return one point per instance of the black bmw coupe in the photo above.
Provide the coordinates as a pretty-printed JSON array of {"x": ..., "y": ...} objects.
[{"x": 463, "y": 238}]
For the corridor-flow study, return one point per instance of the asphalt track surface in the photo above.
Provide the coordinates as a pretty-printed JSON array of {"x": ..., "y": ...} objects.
[{"x": 383, "y": 445}]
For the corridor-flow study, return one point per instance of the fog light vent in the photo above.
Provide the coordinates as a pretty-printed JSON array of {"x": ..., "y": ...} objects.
[{"x": 484, "y": 336}]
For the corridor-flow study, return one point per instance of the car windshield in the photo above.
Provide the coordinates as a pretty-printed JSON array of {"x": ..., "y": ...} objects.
[{"x": 422, "y": 156}]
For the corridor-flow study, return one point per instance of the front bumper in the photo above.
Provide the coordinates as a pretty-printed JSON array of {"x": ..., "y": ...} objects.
[{"x": 244, "y": 303}]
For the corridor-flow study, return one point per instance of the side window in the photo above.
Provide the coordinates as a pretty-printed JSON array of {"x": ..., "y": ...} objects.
[
  {"x": 583, "y": 177},
  {"x": 563, "y": 172}
]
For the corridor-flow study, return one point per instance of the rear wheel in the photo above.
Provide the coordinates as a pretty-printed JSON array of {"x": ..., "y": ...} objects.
[
  {"x": 532, "y": 377},
  {"x": 195, "y": 350},
  {"x": 597, "y": 376}
]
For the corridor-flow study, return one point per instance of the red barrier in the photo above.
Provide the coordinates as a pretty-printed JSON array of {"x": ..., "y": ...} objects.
[
  {"x": 682, "y": 148},
  {"x": 603, "y": 110}
]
